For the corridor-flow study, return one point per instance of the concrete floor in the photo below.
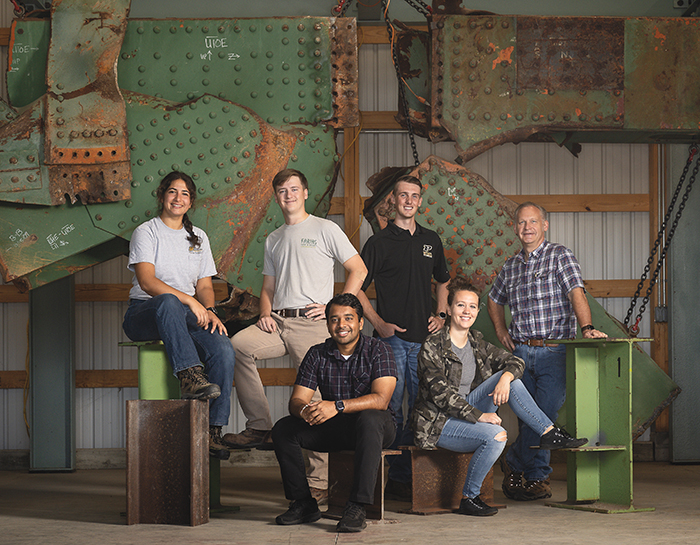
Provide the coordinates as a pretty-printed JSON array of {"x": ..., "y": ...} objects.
[{"x": 87, "y": 507}]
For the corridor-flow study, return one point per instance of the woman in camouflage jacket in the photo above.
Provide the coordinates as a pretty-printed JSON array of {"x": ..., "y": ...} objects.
[{"x": 460, "y": 415}]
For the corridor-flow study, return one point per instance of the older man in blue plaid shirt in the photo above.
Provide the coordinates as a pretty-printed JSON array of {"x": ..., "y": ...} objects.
[
  {"x": 356, "y": 376},
  {"x": 543, "y": 287}
]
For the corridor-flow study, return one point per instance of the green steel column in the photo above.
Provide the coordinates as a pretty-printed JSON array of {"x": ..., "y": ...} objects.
[{"x": 52, "y": 376}]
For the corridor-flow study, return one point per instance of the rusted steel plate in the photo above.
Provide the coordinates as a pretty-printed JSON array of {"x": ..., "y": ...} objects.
[
  {"x": 662, "y": 76},
  {"x": 344, "y": 73},
  {"x": 86, "y": 144},
  {"x": 571, "y": 53},
  {"x": 473, "y": 219}
]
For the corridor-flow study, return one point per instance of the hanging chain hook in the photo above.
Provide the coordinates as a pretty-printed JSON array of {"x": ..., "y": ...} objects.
[{"x": 634, "y": 329}]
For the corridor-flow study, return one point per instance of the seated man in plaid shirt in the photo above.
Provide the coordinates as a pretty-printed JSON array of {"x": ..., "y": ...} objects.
[{"x": 356, "y": 376}]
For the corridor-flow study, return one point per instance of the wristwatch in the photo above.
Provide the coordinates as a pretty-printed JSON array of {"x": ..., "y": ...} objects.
[
  {"x": 213, "y": 309},
  {"x": 339, "y": 406},
  {"x": 442, "y": 315}
]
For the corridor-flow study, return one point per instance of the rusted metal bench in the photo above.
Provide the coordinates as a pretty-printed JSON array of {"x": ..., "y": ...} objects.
[
  {"x": 438, "y": 480},
  {"x": 340, "y": 473}
]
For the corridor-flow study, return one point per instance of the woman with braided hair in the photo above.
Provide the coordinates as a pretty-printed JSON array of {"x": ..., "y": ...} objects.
[{"x": 172, "y": 299}]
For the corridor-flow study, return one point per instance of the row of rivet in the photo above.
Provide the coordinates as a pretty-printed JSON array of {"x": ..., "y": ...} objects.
[
  {"x": 16, "y": 179},
  {"x": 222, "y": 29}
]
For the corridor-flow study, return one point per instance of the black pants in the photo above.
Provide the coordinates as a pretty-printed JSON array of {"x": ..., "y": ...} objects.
[{"x": 365, "y": 432}]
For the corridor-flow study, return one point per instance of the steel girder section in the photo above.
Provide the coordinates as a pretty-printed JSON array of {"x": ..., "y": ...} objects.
[
  {"x": 289, "y": 70},
  {"x": 473, "y": 220},
  {"x": 504, "y": 79},
  {"x": 497, "y": 79},
  {"x": 84, "y": 119}
]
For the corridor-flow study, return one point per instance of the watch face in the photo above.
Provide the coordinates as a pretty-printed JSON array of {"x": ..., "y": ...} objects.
[{"x": 340, "y": 406}]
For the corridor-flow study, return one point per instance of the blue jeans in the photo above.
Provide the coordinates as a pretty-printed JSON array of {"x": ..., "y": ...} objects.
[
  {"x": 480, "y": 437},
  {"x": 187, "y": 344},
  {"x": 545, "y": 379},
  {"x": 406, "y": 358}
]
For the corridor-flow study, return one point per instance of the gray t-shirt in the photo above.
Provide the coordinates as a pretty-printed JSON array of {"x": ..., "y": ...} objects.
[
  {"x": 177, "y": 262},
  {"x": 466, "y": 356},
  {"x": 301, "y": 258}
]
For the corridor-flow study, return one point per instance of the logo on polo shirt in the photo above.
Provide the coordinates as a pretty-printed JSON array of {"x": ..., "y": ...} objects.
[
  {"x": 308, "y": 242},
  {"x": 427, "y": 250}
]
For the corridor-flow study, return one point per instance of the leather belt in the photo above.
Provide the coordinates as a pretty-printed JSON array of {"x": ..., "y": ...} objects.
[
  {"x": 292, "y": 312},
  {"x": 537, "y": 342}
]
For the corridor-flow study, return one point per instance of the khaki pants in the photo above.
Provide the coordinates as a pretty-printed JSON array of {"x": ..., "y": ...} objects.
[{"x": 294, "y": 336}]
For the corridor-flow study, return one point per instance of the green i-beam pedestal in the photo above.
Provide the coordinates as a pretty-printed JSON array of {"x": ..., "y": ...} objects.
[{"x": 599, "y": 406}]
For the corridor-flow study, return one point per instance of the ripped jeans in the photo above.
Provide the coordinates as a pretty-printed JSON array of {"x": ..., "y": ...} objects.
[{"x": 480, "y": 437}]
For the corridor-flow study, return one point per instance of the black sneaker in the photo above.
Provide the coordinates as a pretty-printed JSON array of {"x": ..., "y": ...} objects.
[
  {"x": 353, "y": 519},
  {"x": 300, "y": 512},
  {"x": 557, "y": 438},
  {"x": 194, "y": 384},
  {"x": 475, "y": 507}
]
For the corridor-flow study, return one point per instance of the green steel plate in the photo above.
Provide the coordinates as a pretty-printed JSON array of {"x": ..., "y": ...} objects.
[
  {"x": 473, "y": 219},
  {"x": 286, "y": 69}
]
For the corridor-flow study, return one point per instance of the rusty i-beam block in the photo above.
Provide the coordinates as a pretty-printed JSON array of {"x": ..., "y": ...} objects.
[{"x": 167, "y": 460}]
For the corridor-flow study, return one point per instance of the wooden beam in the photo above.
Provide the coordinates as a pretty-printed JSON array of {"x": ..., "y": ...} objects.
[
  {"x": 129, "y": 378},
  {"x": 598, "y": 202},
  {"x": 352, "y": 208},
  {"x": 373, "y": 33},
  {"x": 380, "y": 121}
]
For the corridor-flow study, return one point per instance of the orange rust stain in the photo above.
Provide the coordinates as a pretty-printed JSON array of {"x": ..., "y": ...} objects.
[
  {"x": 659, "y": 36},
  {"x": 503, "y": 55},
  {"x": 578, "y": 111}
]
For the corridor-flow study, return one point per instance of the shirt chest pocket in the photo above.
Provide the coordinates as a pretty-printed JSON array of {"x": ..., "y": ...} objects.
[{"x": 543, "y": 282}]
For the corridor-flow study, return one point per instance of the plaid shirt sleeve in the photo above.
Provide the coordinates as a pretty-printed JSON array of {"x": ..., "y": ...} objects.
[
  {"x": 383, "y": 362},
  {"x": 568, "y": 271}
]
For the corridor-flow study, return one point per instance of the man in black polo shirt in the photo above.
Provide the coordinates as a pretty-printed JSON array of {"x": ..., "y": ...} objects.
[
  {"x": 356, "y": 376},
  {"x": 401, "y": 259}
]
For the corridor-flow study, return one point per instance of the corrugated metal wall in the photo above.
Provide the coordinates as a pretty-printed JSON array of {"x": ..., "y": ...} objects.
[{"x": 608, "y": 245}]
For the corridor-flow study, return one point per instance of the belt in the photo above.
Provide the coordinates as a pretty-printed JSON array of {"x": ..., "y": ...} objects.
[
  {"x": 292, "y": 312},
  {"x": 537, "y": 342}
]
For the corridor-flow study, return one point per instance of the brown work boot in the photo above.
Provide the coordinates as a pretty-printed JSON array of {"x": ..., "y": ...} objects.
[
  {"x": 249, "y": 438},
  {"x": 535, "y": 490},
  {"x": 512, "y": 481},
  {"x": 216, "y": 443},
  {"x": 194, "y": 384}
]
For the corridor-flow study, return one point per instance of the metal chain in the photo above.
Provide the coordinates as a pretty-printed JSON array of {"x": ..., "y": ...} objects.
[
  {"x": 403, "y": 102},
  {"x": 634, "y": 329},
  {"x": 345, "y": 7},
  {"x": 421, "y": 7}
]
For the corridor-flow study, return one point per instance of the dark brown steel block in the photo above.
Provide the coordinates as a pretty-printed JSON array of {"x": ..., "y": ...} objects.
[
  {"x": 167, "y": 455},
  {"x": 438, "y": 480},
  {"x": 340, "y": 473}
]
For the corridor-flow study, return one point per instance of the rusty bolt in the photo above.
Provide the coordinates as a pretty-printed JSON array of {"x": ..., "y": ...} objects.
[
  {"x": 13, "y": 160},
  {"x": 487, "y": 116},
  {"x": 472, "y": 116},
  {"x": 566, "y": 117},
  {"x": 499, "y": 252},
  {"x": 15, "y": 179},
  {"x": 599, "y": 117},
  {"x": 509, "y": 242},
  {"x": 583, "y": 117},
  {"x": 470, "y": 242},
  {"x": 499, "y": 232},
  {"x": 551, "y": 117},
  {"x": 60, "y": 121},
  {"x": 519, "y": 117},
  {"x": 472, "y": 25},
  {"x": 478, "y": 251}
]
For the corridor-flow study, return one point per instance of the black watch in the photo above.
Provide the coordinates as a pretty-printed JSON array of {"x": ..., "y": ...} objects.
[
  {"x": 213, "y": 309},
  {"x": 339, "y": 406},
  {"x": 442, "y": 315}
]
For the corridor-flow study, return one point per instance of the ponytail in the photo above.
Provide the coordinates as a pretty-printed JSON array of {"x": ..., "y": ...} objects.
[{"x": 194, "y": 240}]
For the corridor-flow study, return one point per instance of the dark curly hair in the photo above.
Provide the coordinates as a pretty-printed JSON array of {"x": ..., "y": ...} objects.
[{"x": 160, "y": 195}]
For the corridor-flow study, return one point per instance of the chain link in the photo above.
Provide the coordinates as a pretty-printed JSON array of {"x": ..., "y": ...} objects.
[
  {"x": 634, "y": 329},
  {"x": 403, "y": 102},
  {"x": 345, "y": 7}
]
